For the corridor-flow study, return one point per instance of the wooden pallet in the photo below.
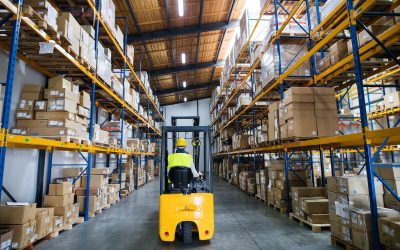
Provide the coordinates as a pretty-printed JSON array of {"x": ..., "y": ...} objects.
[
  {"x": 281, "y": 210},
  {"x": 40, "y": 22},
  {"x": 296, "y": 139},
  {"x": 67, "y": 138},
  {"x": 315, "y": 228},
  {"x": 343, "y": 244}
]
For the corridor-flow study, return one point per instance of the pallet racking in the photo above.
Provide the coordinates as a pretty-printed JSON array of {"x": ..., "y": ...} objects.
[
  {"x": 21, "y": 32},
  {"x": 369, "y": 143}
]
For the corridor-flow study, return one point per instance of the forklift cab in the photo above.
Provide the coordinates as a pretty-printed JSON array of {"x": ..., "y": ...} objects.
[{"x": 186, "y": 203}]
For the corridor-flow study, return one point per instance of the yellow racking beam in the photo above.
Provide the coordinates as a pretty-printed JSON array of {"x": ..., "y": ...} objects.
[
  {"x": 121, "y": 52},
  {"x": 13, "y": 9}
]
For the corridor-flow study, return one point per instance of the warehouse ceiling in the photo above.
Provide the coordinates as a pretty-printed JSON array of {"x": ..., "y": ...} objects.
[{"x": 160, "y": 35}]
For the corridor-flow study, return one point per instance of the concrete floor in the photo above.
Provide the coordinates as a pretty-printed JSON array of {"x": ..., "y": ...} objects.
[{"x": 241, "y": 222}]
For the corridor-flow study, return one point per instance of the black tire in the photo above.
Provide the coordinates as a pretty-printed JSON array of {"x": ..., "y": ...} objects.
[{"x": 187, "y": 232}]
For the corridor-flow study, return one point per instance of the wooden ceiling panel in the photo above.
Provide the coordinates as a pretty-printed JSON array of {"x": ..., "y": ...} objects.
[{"x": 149, "y": 14}]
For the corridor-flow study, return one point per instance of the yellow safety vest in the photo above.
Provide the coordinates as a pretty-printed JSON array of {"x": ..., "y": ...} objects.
[{"x": 179, "y": 160}]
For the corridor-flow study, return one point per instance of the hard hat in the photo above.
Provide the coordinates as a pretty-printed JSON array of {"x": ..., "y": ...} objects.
[{"x": 181, "y": 142}]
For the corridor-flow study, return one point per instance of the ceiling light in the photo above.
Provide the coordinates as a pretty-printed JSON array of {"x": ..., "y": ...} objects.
[
  {"x": 183, "y": 58},
  {"x": 185, "y": 99},
  {"x": 180, "y": 7},
  {"x": 184, "y": 84}
]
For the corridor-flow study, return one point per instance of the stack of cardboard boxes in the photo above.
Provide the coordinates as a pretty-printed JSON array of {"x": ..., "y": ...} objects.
[
  {"x": 140, "y": 174},
  {"x": 130, "y": 179},
  {"x": 6, "y": 238},
  {"x": 44, "y": 222},
  {"x": 348, "y": 195},
  {"x": 240, "y": 141},
  {"x": 112, "y": 193},
  {"x": 277, "y": 184},
  {"x": 150, "y": 169},
  {"x": 391, "y": 175},
  {"x": 97, "y": 191},
  {"x": 392, "y": 100},
  {"x": 389, "y": 230},
  {"x": 247, "y": 181},
  {"x": 61, "y": 198},
  {"x": 262, "y": 182},
  {"x": 21, "y": 219},
  {"x": 46, "y": 10},
  {"x": 311, "y": 204},
  {"x": 64, "y": 111}
]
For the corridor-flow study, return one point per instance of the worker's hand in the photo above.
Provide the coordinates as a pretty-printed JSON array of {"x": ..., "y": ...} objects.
[{"x": 201, "y": 174}]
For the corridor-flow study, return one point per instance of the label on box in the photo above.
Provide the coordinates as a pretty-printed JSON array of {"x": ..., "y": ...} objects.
[
  {"x": 5, "y": 244},
  {"x": 40, "y": 105},
  {"x": 62, "y": 132},
  {"x": 46, "y": 47},
  {"x": 14, "y": 245},
  {"x": 55, "y": 92}
]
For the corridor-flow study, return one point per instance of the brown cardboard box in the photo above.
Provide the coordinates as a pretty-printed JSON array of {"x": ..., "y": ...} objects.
[
  {"x": 325, "y": 62},
  {"x": 99, "y": 171},
  {"x": 318, "y": 218},
  {"x": 44, "y": 221},
  {"x": 60, "y": 188},
  {"x": 302, "y": 127},
  {"x": 95, "y": 181},
  {"x": 45, "y": 115},
  {"x": 81, "y": 191},
  {"x": 389, "y": 231},
  {"x": 361, "y": 218},
  {"x": 59, "y": 82},
  {"x": 299, "y": 109},
  {"x": 355, "y": 185},
  {"x": 294, "y": 175},
  {"x": 85, "y": 100},
  {"x": 58, "y": 223},
  {"x": 24, "y": 123},
  {"x": 338, "y": 51},
  {"x": 26, "y": 105},
  {"x": 315, "y": 206},
  {"x": 276, "y": 165},
  {"x": 5, "y": 239},
  {"x": 94, "y": 203},
  {"x": 75, "y": 211},
  {"x": 23, "y": 234},
  {"x": 389, "y": 173},
  {"x": 32, "y": 88},
  {"x": 81, "y": 120},
  {"x": 65, "y": 212},
  {"x": 56, "y": 131},
  {"x": 58, "y": 200},
  {"x": 325, "y": 109},
  {"x": 62, "y": 104},
  {"x": 362, "y": 239},
  {"x": 392, "y": 100},
  {"x": 17, "y": 214},
  {"x": 298, "y": 94},
  {"x": 364, "y": 37},
  {"x": 328, "y": 126},
  {"x": 301, "y": 192},
  {"x": 31, "y": 95},
  {"x": 283, "y": 130},
  {"x": 71, "y": 172},
  {"x": 342, "y": 232},
  {"x": 55, "y": 93},
  {"x": 281, "y": 184},
  {"x": 332, "y": 184},
  {"x": 115, "y": 177}
]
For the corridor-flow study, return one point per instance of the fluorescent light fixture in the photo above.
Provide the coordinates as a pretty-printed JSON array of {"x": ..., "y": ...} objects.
[
  {"x": 180, "y": 7},
  {"x": 183, "y": 58},
  {"x": 185, "y": 99},
  {"x": 184, "y": 84}
]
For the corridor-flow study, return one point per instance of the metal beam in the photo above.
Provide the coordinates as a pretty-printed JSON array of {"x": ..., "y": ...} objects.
[
  {"x": 181, "y": 101},
  {"x": 145, "y": 36},
  {"x": 189, "y": 88},
  {"x": 184, "y": 68}
]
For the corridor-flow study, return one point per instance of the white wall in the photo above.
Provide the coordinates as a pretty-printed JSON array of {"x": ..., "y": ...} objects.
[
  {"x": 189, "y": 109},
  {"x": 21, "y": 165}
]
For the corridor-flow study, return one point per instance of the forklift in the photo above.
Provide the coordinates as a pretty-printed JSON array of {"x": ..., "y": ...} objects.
[{"x": 186, "y": 203}]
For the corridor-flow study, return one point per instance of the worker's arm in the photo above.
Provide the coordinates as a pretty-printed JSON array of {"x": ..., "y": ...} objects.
[{"x": 194, "y": 171}]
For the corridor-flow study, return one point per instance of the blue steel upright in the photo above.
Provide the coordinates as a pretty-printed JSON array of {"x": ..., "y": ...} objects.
[
  {"x": 92, "y": 114},
  {"x": 364, "y": 124},
  {"x": 12, "y": 57}
]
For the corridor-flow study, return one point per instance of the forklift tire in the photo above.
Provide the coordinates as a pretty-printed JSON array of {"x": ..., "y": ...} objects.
[{"x": 187, "y": 232}]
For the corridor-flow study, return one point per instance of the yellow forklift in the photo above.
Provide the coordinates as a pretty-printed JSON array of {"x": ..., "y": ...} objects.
[{"x": 186, "y": 203}]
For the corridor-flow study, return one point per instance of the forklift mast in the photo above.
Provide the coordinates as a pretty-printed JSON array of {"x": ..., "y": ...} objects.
[{"x": 196, "y": 149}]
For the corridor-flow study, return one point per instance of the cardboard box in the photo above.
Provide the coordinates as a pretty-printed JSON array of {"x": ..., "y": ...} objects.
[
  {"x": 24, "y": 114},
  {"x": 71, "y": 172},
  {"x": 60, "y": 188},
  {"x": 23, "y": 234},
  {"x": 298, "y": 94},
  {"x": 62, "y": 104},
  {"x": 40, "y": 106},
  {"x": 55, "y": 93},
  {"x": 46, "y": 115},
  {"x": 355, "y": 185},
  {"x": 361, "y": 218},
  {"x": 99, "y": 171},
  {"x": 44, "y": 221},
  {"x": 58, "y": 223},
  {"x": 31, "y": 95},
  {"x": 115, "y": 177},
  {"x": 94, "y": 203},
  {"x": 392, "y": 100},
  {"x": 332, "y": 184},
  {"x": 82, "y": 111},
  {"x": 283, "y": 131},
  {"x": 389, "y": 231},
  {"x": 362, "y": 239},
  {"x": 59, "y": 82},
  {"x": 318, "y": 218},
  {"x": 5, "y": 239},
  {"x": 328, "y": 126},
  {"x": 81, "y": 191},
  {"x": 389, "y": 173},
  {"x": 15, "y": 214},
  {"x": 342, "y": 232},
  {"x": 299, "y": 109},
  {"x": 95, "y": 181},
  {"x": 58, "y": 200},
  {"x": 65, "y": 212},
  {"x": 75, "y": 211},
  {"x": 338, "y": 51},
  {"x": 315, "y": 206},
  {"x": 55, "y": 131},
  {"x": 84, "y": 100},
  {"x": 25, "y": 123},
  {"x": 26, "y": 105},
  {"x": 36, "y": 88},
  {"x": 302, "y": 127}
]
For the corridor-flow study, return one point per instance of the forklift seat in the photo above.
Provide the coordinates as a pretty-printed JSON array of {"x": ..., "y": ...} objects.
[{"x": 180, "y": 177}]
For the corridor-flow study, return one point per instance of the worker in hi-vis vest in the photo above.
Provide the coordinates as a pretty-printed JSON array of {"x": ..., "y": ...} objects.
[{"x": 181, "y": 158}]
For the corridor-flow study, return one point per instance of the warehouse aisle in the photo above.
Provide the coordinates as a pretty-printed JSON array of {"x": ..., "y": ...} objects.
[{"x": 241, "y": 222}]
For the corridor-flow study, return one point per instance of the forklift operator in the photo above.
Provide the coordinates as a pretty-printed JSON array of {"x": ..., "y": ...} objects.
[{"x": 181, "y": 158}]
